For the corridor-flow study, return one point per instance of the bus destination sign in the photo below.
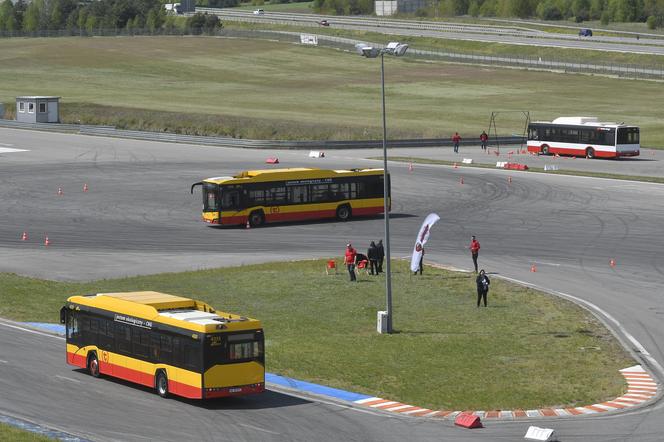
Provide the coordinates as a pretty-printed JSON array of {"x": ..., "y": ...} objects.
[{"x": 133, "y": 321}]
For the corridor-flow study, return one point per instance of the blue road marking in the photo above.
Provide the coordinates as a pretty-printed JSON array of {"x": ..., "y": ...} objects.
[{"x": 269, "y": 377}]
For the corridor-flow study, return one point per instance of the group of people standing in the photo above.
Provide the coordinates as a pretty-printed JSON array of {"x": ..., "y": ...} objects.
[
  {"x": 373, "y": 259},
  {"x": 456, "y": 139},
  {"x": 376, "y": 254}
]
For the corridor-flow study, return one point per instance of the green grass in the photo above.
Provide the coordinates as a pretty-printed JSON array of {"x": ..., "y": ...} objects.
[
  {"x": 270, "y": 90},
  {"x": 11, "y": 434},
  {"x": 526, "y": 350},
  {"x": 614, "y": 176}
]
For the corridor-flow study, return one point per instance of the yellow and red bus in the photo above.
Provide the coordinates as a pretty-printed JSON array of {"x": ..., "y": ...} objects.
[
  {"x": 260, "y": 196},
  {"x": 173, "y": 344}
]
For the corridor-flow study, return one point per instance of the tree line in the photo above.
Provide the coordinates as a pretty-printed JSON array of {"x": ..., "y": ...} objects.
[{"x": 75, "y": 16}]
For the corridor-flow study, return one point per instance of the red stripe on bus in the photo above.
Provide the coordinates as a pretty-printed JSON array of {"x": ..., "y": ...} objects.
[
  {"x": 302, "y": 215},
  {"x": 137, "y": 377}
]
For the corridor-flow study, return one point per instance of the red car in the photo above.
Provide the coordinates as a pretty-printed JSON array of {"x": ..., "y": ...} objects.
[{"x": 324, "y": 23}]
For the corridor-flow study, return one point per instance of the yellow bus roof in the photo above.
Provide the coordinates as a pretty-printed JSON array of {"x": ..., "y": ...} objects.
[
  {"x": 167, "y": 309},
  {"x": 294, "y": 173}
]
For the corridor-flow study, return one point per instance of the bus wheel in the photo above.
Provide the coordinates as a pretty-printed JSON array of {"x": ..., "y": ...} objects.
[
  {"x": 344, "y": 212},
  {"x": 93, "y": 365},
  {"x": 256, "y": 218},
  {"x": 545, "y": 150},
  {"x": 162, "y": 384},
  {"x": 590, "y": 153}
]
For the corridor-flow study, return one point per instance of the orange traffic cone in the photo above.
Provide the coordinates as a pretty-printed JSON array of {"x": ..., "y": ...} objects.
[
  {"x": 410, "y": 167},
  {"x": 461, "y": 180},
  {"x": 455, "y": 166},
  {"x": 46, "y": 241},
  {"x": 612, "y": 262},
  {"x": 509, "y": 180},
  {"x": 533, "y": 268},
  {"x": 24, "y": 237},
  {"x": 60, "y": 192},
  {"x": 85, "y": 187}
]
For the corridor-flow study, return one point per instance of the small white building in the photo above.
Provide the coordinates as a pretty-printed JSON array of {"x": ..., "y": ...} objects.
[{"x": 38, "y": 109}]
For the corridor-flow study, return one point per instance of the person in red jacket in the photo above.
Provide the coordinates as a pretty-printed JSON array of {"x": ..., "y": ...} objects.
[
  {"x": 483, "y": 139},
  {"x": 349, "y": 260},
  {"x": 456, "y": 138},
  {"x": 474, "y": 250}
]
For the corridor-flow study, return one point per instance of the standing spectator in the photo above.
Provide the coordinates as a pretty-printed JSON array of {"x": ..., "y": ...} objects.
[
  {"x": 456, "y": 138},
  {"x": 381, "y": 255},
  {"x": 474, "y": 250},
  {"x": 372, "y": 255},
  {"x": 483, "y": 139},
  {"x": 349, "y": 260},
  {"x": 482, "y": 287},
  {"x": 421, "y": 261}
]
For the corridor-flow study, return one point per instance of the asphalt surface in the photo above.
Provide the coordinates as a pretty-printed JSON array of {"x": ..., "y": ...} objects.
[{"x": 138, "y": 217}]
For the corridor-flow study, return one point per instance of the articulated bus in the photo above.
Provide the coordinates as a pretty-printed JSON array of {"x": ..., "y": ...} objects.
[
  {"x": 172, "y": 344},
  {"x": 583, "y": 136},
  {"x": 259, "y": 196}
]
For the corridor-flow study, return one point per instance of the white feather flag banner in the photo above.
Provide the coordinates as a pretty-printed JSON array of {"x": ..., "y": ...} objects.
[{"x": 422, "y": 238}]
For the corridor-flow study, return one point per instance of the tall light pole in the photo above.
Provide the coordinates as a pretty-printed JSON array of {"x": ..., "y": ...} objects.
[{"x": 397, "y": 49}]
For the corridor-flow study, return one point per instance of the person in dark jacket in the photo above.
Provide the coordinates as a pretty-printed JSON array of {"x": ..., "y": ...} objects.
[
  {"x": 482, "y": 287},
  {"x": 381, "y": 255},
  {"x": 372, "y": 255},
  {"x": 483, "y": 139}
]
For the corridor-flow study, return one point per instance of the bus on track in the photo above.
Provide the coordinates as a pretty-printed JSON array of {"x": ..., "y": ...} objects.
[
  {"x": 173, "y": 344},
  {"x": 259, "y": 196},
  {"x": 583, "y": 136}
]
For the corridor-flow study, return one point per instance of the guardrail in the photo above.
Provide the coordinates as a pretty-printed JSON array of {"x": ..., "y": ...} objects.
[{"x": 109, "y": 131}]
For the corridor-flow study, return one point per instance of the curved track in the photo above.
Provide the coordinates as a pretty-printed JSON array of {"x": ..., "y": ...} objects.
[{"x": 138, "y": 217}]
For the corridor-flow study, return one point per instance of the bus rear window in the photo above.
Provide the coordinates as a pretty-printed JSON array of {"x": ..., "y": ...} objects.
[{"x": 230, "y": 348}]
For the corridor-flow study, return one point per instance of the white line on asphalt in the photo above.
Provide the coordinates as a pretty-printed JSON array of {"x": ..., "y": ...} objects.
[
  {"x": 641, "y": 349},
  {"x": 6, "y": 145},
  {"x": 2, "y": 361},
  {"x": 258, "y": 429},
  {"x": 67, "y": 379},
  {"x": 31, "y": 331}
]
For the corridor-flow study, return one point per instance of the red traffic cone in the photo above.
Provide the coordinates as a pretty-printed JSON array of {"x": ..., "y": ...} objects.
[
  {"x": 248, "y": 226},
  {"x": 60, "y": 192},
  {"x": 410, "y": 167},
  {"x": 24, "y": 237},
  {"x": 533, "y": 268},
  {"x": 461, "y": 180},
  {"x": 46, "y": 241},
  {"x": 85, "y": 187},
  {"x": 612, "y": 262}
]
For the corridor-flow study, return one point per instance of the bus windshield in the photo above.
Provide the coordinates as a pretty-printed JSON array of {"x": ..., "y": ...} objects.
[
  {"x": 628, "y": 135},
  {"x": 231, "y": 348},
  {"x": 210, "y": 197}
]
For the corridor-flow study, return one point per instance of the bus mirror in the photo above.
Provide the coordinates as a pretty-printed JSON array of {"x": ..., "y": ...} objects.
[
  {"x": 63, "y": 315},
  {"x": 200, "y": 183}
]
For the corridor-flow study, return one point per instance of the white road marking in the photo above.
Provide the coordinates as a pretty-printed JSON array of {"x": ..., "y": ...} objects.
[
  {"x": 61, "y": 338},
  {"x": 259, "y": 429},
  {"x": 11, "y": 150},
  {"x": 67, "y": 379},
  {"x": 2, "y": 361}
]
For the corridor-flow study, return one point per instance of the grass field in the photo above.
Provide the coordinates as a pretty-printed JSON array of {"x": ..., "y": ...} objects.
[
  {"x": 526, "y": 350},
  {"x": 271, "y": 90},
  {"x": 11, "y": 434}
]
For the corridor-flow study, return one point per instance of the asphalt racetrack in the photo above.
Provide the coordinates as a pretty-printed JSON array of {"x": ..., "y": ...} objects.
[{"x": 139, "y": 217}]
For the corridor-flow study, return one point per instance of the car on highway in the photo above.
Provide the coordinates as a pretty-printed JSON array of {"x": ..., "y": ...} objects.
[
  {"x": 324, "y": 23},
  {"x": 259, "y": 12},
  {"x": 585, "y": 32}
]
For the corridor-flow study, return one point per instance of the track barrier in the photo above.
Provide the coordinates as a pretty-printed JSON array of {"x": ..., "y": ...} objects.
[
  {"x": 540, "y": 434},
  {"x": 467, "y": 161},
  {"x": 468, "y": 420},
  {"x": 272, "y": 160},
  {"x": 316, "y": 154},
  {"x": 515, "y": 166}
]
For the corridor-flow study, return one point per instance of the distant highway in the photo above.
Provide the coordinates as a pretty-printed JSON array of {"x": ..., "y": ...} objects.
[{"x": 490, "y": 34}]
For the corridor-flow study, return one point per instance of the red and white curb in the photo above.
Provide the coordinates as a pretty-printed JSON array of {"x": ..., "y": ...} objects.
[{"x": 641, "y": 387}]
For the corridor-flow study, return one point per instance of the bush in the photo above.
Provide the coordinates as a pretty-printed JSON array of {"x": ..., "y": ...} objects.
[
  {"x": 421, "y": 12},
  {"x": 651, "y": 22},
  {"x": 604, "y": 19}
]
